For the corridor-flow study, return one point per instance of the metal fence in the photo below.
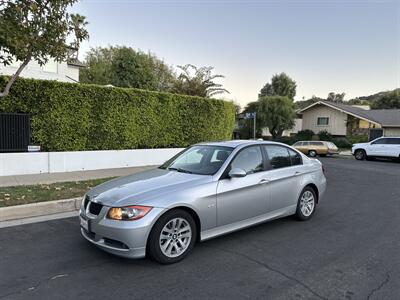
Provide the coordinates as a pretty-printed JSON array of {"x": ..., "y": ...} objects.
[{"x": 14, "y": 132}]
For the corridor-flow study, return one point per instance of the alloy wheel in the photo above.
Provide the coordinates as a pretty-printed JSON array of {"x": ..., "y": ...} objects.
[
  {"x": 175, "y": 237},
  {"x": 359, "y": 155},
  {"x": 307, "y": 203}
]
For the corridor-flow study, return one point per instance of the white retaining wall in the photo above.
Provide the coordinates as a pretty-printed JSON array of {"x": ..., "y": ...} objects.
[{"x": 54, "y": 162}]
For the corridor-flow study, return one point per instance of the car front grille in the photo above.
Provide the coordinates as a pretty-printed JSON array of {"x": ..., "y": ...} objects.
[
  {"x": 91, "y": 207},
  {"x": 95, "y": 208}
]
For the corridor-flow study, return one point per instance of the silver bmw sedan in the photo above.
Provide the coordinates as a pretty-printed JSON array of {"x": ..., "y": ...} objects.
[{"x": 207, "y": 190}]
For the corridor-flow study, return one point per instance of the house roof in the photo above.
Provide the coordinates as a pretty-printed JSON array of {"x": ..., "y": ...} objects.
[
  {"x": 383, "y": 117},
  {"x": 76, "y": 63},
  {"x": 386, "y": 117}
]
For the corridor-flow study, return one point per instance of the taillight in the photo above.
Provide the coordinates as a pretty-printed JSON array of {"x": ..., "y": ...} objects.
[{"x": 323, "y": 169}]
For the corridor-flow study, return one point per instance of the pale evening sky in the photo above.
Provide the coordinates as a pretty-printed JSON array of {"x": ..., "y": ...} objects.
[{"x": 340, "y": 46}]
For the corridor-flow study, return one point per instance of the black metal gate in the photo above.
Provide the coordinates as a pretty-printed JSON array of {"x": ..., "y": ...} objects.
[
  {"x": 374, "y": 133},
  {"x": 14, "y": 132}
]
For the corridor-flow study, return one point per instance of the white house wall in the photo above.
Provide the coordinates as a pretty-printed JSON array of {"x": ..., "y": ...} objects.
[
  {"x": 296, "y": 128},
  {"x": 337, "y": 120},
  {"x": 54, "y": 162},
  {"x": 53, "y": 71}
]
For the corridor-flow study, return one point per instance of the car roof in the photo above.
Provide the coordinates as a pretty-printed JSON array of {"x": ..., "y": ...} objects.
[{"x": 237, "y": 143}]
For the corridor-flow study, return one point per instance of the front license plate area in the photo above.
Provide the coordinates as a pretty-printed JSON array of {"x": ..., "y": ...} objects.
[{"x": 85, "y": 224}]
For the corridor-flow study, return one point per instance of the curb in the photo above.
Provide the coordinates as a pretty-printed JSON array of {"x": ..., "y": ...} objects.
[{"x": 39, "y": 209}]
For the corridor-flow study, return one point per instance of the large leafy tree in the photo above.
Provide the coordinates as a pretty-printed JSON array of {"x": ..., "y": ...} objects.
[
  {"x": 126, "y": 67},
  {"x": 388, "y": 101},
  {"x": 335, "y": 97},
  {"x": 198, "y": 82},
  {"x": 277, "y": 113},
  {"x": 281, "y": 85},
  {"x": 98, "y": 62},
  {"x": 35, "y": 30}
]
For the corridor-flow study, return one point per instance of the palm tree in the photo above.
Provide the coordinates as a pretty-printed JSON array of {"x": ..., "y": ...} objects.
[
  {"x": 77, "y": 26},
  {"x": 198, "y": 82}
]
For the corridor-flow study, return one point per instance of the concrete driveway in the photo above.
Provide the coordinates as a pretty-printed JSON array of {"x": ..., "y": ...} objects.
[{"x": 349, "y": 250}]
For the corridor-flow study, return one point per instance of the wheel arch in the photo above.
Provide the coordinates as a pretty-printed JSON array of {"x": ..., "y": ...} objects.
[
  {"x": 315, "y": 188},
  {"x": 360, "y": 149},
  {"x": 187, "y": 209}
]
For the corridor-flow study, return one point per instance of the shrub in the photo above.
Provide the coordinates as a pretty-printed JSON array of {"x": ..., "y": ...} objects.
[
  {"x": 324, "y": 136},
  {"x": 305, "y": 135},
  {"x": 341, "y": 142},
  {"x": 73, "y": 117},
  {"x": 289, "y": 140},
  {"x": 354, "y": 139}
]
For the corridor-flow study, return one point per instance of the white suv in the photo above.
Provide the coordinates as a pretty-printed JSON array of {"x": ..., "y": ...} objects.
[{"x": 381, "y": 147}]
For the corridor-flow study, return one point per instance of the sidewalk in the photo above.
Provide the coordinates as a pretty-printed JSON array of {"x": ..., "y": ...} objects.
[
  {"x": 47, "y": 178},
  {"x": 345, "y": 153}
]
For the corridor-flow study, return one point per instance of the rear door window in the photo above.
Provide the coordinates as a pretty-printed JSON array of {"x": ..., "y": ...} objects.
[
  {"x": 316, "y": 143},
  {"x": 394, "y": 141},
  {"x": 278, "y": 156}
]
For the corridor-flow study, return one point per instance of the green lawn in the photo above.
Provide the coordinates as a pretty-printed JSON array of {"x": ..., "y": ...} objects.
[{"x": 17, "y": 195}]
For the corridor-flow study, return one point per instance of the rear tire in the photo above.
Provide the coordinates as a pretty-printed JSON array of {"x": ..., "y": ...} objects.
[
  {"x": 306, "y": 204},
  {"x": 312, "y": 153},
  {"x": 172, "y": 237},
  {"x": 360, "y": 154}
]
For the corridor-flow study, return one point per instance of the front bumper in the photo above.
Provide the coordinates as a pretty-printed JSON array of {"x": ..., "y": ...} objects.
[{"x": 122, "y": 238}]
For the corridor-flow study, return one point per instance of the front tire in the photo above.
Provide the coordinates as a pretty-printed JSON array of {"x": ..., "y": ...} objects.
[
  {"x": 360, "y": 154},
  {"x": 306, "y": 204},
  {"x": 173, "y": 237}
]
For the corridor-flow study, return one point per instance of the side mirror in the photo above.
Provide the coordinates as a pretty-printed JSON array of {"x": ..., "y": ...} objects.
[{"x": 237, "y": 172}]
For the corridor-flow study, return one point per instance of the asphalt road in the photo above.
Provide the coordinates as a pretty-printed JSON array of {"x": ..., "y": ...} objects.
[{"x": 349, "y": 250}]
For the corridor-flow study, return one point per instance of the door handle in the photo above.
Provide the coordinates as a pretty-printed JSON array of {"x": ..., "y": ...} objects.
[
  {"x": 263, "y": 181},
  {"x": 297, "y": 173}
]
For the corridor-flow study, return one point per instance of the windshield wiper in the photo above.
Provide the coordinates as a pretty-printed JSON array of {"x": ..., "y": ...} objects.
[{"x": 180, "y": 170}]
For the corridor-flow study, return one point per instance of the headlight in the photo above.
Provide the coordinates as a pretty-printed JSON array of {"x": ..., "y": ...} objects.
[{"x": 128, "y": 213}]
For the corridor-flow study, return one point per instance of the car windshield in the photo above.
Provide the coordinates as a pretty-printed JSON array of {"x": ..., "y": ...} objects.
[{"x": 199, "y": 159}]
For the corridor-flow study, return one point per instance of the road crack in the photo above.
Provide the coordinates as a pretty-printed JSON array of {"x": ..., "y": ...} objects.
[
  {"x": 276, "y": 271},
  {"x": 380, "y": 286}
]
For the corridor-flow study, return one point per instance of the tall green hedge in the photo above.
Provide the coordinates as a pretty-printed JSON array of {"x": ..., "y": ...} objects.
[{"x": 71, "y": 117}]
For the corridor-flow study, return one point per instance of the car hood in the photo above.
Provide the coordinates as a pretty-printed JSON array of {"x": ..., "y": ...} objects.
[
  {"x": 139, "y": 187},
  {"x": 360, "y": 144}
]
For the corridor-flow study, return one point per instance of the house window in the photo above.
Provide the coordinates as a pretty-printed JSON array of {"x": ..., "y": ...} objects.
[
  {"x": 363, "y": 124},
  {"x": 322, "y": 121}
]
